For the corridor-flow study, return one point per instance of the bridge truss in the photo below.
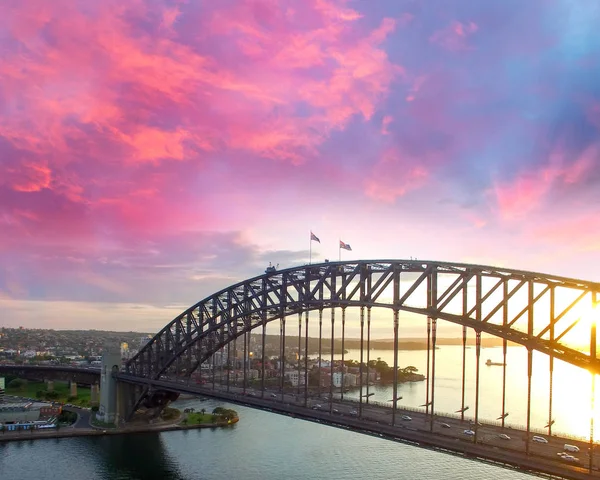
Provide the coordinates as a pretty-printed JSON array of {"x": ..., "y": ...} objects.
[{"x": 534, "y": 310}]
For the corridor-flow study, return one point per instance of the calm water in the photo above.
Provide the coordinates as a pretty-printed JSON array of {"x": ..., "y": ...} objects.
[
  {"x": 571, "y": 408},
  {"x": 261, "y": 446}
]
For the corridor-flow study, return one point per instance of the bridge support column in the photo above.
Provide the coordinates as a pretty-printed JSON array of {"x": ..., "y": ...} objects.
[
  {"x": 395, "y": 389},
  {"x": 433, "y": 344},
  {"x": 368, "y": 349},
  {"x": 477, "y": 361},
  {"x": 111, "y": 362},
  {"x": 360, "y": 367},
  {"x": 343, "y": 346},
  {"x": 305, "y": 358},
  {"x": 427, "y": 377},
  {"x": 529, "y": 372},
  {"x": 95, "y": 394},
  {"x": 125, "y": 401},
  {"x": 50, "y": 385},
  {"x": 72, "y": 389}
]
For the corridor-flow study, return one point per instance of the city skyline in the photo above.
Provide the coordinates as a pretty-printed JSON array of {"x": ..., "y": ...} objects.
[{"x": 154, "y": 152}]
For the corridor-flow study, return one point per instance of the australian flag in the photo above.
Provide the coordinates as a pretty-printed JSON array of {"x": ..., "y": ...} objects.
[
  {"x": 314, "y": 237},
  {"x": 345, "y": 246}
]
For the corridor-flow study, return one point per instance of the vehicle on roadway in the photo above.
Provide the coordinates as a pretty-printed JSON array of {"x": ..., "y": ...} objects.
[
  {"x": 503, "y": 436},
  {"x": 538, "y": 439},
  {"x": 406, "y": 418},
  {"x": 444, "y": 425},
  {"x": 570, "y": 458},
  {"x": 353, "y": 412},
  {"x": 469, "y": 432},
  {"x": 273, "y": 395},
  {"x": 570, "y": 448}
]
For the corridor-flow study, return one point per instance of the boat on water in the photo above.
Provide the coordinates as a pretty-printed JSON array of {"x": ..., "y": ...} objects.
[{"x": 489, "y": 363}]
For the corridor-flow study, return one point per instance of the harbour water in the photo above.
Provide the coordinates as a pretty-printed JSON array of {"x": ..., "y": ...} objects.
[
  {"x": 262, "y": 445},
  {"x": 571, "y": 404}
]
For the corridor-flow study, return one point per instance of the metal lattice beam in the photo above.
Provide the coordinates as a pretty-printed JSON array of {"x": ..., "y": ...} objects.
[{"x": 206, "y": 327}]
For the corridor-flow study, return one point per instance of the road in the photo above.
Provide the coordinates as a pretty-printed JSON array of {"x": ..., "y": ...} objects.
[{"x": 420, "y": 425}]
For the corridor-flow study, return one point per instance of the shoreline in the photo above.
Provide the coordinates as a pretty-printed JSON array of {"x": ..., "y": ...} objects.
[{"x": 97, "y": 431}]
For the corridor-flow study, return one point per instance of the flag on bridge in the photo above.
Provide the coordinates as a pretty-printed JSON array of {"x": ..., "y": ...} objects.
[
  {"x": 314, "y": 237},
  {"x": 345, "y": 246}
]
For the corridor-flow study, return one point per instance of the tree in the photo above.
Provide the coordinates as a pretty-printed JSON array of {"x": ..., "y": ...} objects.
[
  {"x": 410, "y": 369},
  {"x": 203, "y": 411},
  {"x": 18, "y": 383}
]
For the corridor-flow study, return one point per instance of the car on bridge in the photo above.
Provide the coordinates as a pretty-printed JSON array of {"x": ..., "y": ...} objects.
[
  {"x": 538, "y": 439},
  {"x": 503, "y": 436},
  {"x": 405, "y": 418},
  {"x": 469, "y": 432}
]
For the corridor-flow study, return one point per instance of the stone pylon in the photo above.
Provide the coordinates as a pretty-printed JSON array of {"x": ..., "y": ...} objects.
[
  {"x": 95, "y": 394},
  {"x": 111, "y": 362},
  {"x": 73, "y": 389}
]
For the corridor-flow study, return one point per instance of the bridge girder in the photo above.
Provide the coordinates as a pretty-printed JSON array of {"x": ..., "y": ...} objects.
[
  {"x": 506, "y": 303},
  {"x": 82, "y": 376}
]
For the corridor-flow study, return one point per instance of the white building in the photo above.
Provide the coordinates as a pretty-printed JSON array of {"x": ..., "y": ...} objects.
[
  {"x": 349, "y": 379},
  {"x": 294, "y": 378}
]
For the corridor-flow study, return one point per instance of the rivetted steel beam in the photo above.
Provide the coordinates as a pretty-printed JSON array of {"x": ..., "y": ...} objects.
[{"x": 218, "y": 315}]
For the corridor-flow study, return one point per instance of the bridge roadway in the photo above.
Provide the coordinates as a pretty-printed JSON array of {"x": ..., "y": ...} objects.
[{"x": 376, "y": 420}]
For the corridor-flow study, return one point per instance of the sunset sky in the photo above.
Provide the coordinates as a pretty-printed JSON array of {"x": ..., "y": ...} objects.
[{"x": 153, "y": 152}]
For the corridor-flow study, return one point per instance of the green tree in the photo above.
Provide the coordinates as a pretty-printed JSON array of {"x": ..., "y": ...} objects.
[{"x": 18, "y": 383}]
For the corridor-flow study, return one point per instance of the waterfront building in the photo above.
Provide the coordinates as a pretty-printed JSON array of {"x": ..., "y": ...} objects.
[
  {"x": 293, "y": 377},
  {"x": 349, "y": 379},
  {"x": 25, "y": 411}
]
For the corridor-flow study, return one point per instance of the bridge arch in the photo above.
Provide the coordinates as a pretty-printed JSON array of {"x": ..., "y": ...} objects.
[{"x": 505, "y": 303}]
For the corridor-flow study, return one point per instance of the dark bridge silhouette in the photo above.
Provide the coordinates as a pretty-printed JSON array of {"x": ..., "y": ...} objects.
[{"x": 203, "y": 329}]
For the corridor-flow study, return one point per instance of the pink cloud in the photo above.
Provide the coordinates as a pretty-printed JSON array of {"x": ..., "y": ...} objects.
[
  {"x": 395, "y": 175},
  {"x": 415, "y": 87},
  {"x": 528, "y": 191},
  {"x": 455, "y": 36},
  {"x": 384, "y": 124},
  {"x": 97, "y": 112}
]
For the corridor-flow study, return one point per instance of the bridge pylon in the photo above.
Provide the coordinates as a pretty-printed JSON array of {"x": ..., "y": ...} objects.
[{"x": 111, "y": 363}]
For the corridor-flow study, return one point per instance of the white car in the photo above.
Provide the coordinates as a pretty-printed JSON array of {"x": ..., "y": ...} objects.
[
  {"x": 406, "y": 417},
  {"x": 469, "y": 432},
  {"x": 444, "y": 425},
  {"x": 570, "y": 458},
  {"x": 503, "y": 436},
  {"x": 539, "y": 439}
]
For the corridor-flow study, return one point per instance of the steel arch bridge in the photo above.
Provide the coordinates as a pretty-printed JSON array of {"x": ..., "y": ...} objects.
[{"x": 531, "y": 309}]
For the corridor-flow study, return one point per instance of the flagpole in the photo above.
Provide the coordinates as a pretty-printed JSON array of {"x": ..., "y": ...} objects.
[
  {"x": 310, "y": 250},
  {"x": 339, "y": 251}
]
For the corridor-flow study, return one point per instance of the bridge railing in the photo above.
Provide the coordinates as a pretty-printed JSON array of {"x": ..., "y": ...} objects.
[{"x": 483, "y": 422}]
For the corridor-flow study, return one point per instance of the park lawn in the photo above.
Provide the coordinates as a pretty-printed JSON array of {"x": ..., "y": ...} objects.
[
  {"x": 62, "y": 388},
  {"x": 199, "y": 418}
]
